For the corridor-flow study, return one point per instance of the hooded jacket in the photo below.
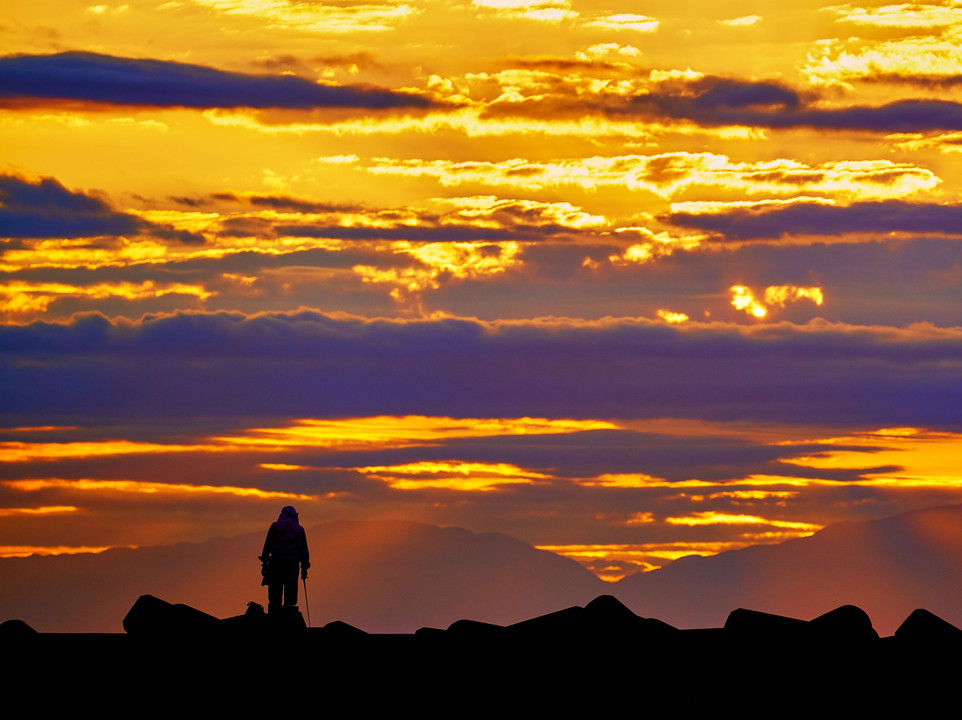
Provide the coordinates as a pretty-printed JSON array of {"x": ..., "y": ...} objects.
[{"x": 286, "y": 539}]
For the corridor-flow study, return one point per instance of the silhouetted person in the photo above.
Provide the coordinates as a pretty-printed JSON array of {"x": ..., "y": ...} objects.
[{"x": 285, "y": 550}]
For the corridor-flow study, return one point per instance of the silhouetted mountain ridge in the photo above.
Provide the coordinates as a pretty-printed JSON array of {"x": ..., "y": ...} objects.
[
  {"x": 397, "y": 576},
  {"x": 888, "y": 567}
]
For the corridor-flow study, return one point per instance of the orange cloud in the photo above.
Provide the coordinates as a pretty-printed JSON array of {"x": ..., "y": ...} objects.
[
  {"x": 672, "y": 317},
  {"x": 45, "y": 510},
  {"x": 17, "y": 298},
  {"x": 451, "y": 475},
  {"x": 716, "y": 518},
  {"x": 387, "y": 431},
  {"x": 148, "y": 488},
  {"x": 612, "y": 562},
  {"x": 668, "y": 174},
  {"x": 775, "y": 295},
  {"x": 12, "y": 551}
]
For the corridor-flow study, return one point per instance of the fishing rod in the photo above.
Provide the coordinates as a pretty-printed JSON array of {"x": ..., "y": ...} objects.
[{"x": 307, "y": 605}]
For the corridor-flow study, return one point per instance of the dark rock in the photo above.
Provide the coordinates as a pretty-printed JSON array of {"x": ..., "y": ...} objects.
[
  {"x": 341, "y": 630},
  {"x": 430, "y": 633},
  {"x": 608, "y": 613},
  {"x": 254, "y": 620},
  {"x": 286, "y": 619},
  {"x": 15, "y": 629},
  {"x": 764, "y": 627},
  {"x": 924, "y": 626},
  {"x": 553, "y": 664},
  {"x": 474, "y": 629},
  {"x": 843, "y": 624},
  {"x": 553, "y": 626},
  {"x": 610, "y": 608},
  {"x": 151, "y": 616}
]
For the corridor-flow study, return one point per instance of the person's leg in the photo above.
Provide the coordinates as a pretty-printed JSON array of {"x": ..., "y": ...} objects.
[
  {"x": 290, "y": 585},
  {"x": 275, "y": 592}
]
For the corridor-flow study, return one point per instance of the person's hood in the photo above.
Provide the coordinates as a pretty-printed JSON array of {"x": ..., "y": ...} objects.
[{"x": 288, "y": 513}]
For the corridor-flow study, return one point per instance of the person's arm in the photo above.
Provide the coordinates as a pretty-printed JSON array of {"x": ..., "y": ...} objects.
[
  {"x": 305, "y": 555},
  {"x": 267, "y": 545}
]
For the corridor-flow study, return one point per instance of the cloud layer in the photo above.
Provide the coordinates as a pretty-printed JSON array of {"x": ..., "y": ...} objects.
[
  {"x": 105, "y": 79},
  {"x": 310, "y": 364},
  {"x": 630, "y": 285}
]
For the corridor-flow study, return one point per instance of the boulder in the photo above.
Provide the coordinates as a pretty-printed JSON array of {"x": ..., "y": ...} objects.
[
  {"x": 152, "y": 617},
  {"x": 764, "y": 627},
  {"x": 924, "y": 626},
  {"x": 16, "y": 629},
  {"x": 847, "y": 623}
]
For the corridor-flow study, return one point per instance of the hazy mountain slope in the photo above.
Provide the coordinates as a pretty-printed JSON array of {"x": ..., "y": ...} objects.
[
  {"x": 886, "y": 567},
  {"x": 380, "y": 576},
  {"x": 399, "y": 576}
]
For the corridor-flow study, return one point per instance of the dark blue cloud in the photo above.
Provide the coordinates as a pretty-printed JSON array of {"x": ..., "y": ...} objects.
[
  {"x": 46, "y": 209},
  {"x": 311, "y": 364},
  {"x": 714, "y": 94},
  {"x": 723, "y": 101},
  {"x": 817, "y": 219},
  {"x": 288, "y": 204},
  {"x": 89, "y": 77},
  {"x": 717, "y": 101}
]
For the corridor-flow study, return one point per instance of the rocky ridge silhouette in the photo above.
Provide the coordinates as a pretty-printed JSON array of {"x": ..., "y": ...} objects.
[{"x": 575, "y": 659}]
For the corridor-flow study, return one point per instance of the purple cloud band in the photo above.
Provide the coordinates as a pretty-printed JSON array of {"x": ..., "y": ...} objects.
[
  {"x": 816, "y": 219},
  {"x": 46, "y": 209},
  {"x": 311, "y": 364},
  {"x": 90, "y": 77}
]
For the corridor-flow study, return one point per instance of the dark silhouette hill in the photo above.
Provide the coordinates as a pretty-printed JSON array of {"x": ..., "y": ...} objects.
[
  {"x": 887, "y": 567},
  {"x": 386, "y": 576},
  {"x": 572, "y": 661}
]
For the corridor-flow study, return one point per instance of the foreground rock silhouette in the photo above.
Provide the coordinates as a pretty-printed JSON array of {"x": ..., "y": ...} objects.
[{"x": 601, "y": 655}]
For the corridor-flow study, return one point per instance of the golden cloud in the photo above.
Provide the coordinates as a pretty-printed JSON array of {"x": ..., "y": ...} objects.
[
  {"x": 43, "y": 510},
  {"x": 148, "y": 488},
  {"x": 910, "y": 59},
  {"x": 672, "y": 317},
  {"x": 11, "y": 551},
  {"x": 26, "y": 298},
  {"x": 311, "y": 17},
  {"x": 451, "y": 475},
  {"x": 914, "y": 16},
  {"x": 717, "y": 518},
  {"x": 743, "y": 298},
  {"x": 401, "y": 431},
  {"x": 671, "y": 173},
  {"x": 625, "y": 21},
  {"x": 550, "y": 11},
  {"x": 454, "y": 260}
]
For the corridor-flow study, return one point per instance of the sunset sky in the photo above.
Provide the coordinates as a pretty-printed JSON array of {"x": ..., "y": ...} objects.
[{"x": 625, "y": 280}]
